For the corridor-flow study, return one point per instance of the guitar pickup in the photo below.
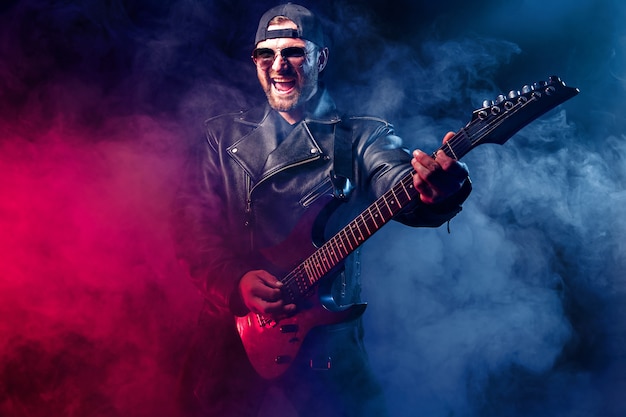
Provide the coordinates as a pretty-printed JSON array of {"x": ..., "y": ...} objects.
[{"x": 289, "y": 328}]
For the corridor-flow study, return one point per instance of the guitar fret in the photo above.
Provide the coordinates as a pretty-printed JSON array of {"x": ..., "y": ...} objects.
[
  {"x": 330, "y": 254},
  {"x": 361, "y": 235},
  {"x": 325, "y": 259},
  {"x": 397, "y": 193},
  {"x": 369, "y": 233},
  {"x": 460, "y": 144},
  {"x": 343, "y": 250},
  {"x": 356, "y": 238},
  {"x": 334, "y": 251},
  {"x": 452, "y": 151},
  {"x": 382, "y": 200},
  {"x": 403, "y": 193},
  {"x": 319, "y": 262},
  {"x": 372, "y": 221},
  {"x": 375, "y": 215},
  {"x": 309, "y": 271},
  {"x": 313, "y": 266},
  {"x": 393, "y": 192},
  {"x": 406, "y": 191},
  {"x": 346, "y": 239},
  {"x": 318, "y": 265}
]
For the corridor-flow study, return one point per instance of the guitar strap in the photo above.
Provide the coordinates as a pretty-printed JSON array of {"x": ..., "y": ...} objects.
[{"x": 341, "y": 175}]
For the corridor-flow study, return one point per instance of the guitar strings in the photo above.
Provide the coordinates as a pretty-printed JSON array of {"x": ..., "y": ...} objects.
[
  {"x": 322, "y": 264},
  {"x": 317, "y": 262}
]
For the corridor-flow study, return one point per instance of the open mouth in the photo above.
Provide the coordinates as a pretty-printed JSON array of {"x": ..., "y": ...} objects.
[{"x": 284, "y": 86}]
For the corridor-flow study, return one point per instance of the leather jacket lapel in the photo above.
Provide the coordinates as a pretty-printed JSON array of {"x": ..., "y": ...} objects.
[
  {"x": 258, "y": 152},
  {"x": 297, "y": 148},
  {"x": 304, "y": 144},
  {"x": 258, "y": 155}
]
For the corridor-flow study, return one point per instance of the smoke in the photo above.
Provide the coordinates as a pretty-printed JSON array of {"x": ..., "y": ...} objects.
[{"x": 518, "y": 311}]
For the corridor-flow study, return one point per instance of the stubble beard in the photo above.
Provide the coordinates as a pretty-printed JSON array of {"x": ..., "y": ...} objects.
[
  {"x": 295, "y": 100},
  {"x": 283, "y": 104}
]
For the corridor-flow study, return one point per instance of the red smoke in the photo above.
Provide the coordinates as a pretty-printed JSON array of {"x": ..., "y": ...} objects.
[{"x": 95, "y": 313}]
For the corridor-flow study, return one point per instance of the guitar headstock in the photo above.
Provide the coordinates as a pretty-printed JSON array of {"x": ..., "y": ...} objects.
[{"x": 500, "y": 119}]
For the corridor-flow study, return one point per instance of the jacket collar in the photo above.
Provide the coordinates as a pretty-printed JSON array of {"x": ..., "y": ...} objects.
[{"x": 309, "y": 140}]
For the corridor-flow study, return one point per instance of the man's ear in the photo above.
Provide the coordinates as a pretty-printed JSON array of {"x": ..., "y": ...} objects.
[{"x": 322, "y": 60}]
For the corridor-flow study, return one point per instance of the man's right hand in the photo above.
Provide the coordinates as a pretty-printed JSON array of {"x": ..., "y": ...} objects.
[{"x": 260, "y": 292}]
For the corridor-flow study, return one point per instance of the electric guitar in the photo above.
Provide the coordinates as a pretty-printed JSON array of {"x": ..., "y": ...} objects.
[{"x": 271, "y": 346}]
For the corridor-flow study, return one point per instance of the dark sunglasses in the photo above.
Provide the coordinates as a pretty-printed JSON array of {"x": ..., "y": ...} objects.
[{"x": 264, "y": 57}]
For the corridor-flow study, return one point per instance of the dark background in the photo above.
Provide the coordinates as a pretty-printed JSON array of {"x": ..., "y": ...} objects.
[{"x": 518, "y": 312}]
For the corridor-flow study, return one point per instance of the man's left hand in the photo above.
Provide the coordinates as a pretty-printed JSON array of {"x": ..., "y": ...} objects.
[{"x": 437, "y": 178}]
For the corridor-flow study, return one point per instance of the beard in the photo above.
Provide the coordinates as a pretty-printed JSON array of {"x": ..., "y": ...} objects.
[
  {"x": 283, "y": 104},
  {"x": 296, "y": 99}
]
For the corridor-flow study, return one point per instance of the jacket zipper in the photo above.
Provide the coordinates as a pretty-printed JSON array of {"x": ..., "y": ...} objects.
[
  {"x": 248, "y": 213},
  {"x": 248, "y": 210}
]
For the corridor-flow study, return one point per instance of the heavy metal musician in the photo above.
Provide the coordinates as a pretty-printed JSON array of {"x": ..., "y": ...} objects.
[{"x": 252, "y": 184}]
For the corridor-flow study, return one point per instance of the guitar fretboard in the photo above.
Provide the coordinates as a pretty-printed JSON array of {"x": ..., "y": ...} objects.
[
  {"x": 496, "y": 122},
  {"x": 301, "y": 279}
]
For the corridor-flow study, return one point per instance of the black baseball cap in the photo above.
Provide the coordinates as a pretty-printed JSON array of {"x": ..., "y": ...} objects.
[{"x": 309, "y": 26}]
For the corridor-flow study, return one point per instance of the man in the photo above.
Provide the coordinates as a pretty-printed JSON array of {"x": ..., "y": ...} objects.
[{"x": 254, "y": 178}]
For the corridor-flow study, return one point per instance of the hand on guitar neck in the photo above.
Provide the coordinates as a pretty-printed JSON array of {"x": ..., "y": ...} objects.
[{"x": 437, "y": 178}]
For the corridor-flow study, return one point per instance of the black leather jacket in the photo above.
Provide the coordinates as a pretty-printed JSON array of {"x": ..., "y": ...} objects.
[{"x": 253, "y": 178}]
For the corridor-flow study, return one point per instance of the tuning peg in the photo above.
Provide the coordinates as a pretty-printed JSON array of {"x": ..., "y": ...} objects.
[
  {"x": 513, "y": 94},
  {"x": 555, "y": 80},
  {"x": 487, "y": 103},
  {"x": 500, "y": 99},
  {"x": 527, "y": 89}
]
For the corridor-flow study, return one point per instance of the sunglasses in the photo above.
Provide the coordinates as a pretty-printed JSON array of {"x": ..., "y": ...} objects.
[{"x": 265, "y": 57}]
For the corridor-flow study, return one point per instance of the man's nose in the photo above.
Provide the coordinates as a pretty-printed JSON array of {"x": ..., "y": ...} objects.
[{"x": 279, "y": 62}]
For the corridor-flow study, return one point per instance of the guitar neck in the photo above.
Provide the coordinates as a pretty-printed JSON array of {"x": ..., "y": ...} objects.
[
  {"x": 332, "y": 253},
  {"x": 495, "y": 122}
]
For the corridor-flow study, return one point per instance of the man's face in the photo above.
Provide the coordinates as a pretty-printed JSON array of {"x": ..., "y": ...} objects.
[{"x": 287, "y": 85}]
